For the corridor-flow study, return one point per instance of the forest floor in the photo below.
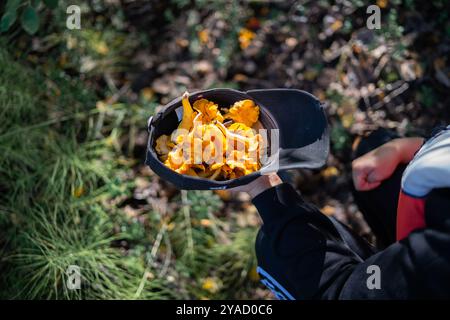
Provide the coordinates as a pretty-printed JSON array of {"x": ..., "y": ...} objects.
[{"x": 83, "y": 114}]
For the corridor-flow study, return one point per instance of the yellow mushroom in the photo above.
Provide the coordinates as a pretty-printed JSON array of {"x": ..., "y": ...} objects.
[
  {"x": 187, "y": 119},
  {"x": 186, "y": 122},
  {"x": 209, "y": 110},
  {"x": 162, "y": 147},
  {"x": 244, "y": 111},
  {"x": 200, "y": 148}
]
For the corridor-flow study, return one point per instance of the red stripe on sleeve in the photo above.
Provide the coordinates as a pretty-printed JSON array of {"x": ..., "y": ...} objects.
[{"x": 410, "y": 215}]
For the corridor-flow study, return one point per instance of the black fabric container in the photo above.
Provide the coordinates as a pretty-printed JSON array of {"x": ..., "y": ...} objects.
[{"x": 302, "y": 140}]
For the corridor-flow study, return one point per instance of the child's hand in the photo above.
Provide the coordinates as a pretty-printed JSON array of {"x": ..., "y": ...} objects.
[{"x": 372, "y": 168}]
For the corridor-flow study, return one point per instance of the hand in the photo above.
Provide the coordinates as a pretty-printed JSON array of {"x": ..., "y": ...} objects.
[
  {"x": 259, "y": 185},
  {"x": 377, "y": 165}
]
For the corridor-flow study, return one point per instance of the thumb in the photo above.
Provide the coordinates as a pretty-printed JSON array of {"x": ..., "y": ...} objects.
[
  {"x": 372, "y": 185},
  {"x": 365, "y": 179},
  {"x": 370, "y": 181}
]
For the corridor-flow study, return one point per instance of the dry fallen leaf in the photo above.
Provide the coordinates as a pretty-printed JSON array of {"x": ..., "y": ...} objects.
[{"x": 245, "y": 37}]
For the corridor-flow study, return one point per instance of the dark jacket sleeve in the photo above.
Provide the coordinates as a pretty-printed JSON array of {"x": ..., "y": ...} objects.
[{"x": 304, "y": 254}]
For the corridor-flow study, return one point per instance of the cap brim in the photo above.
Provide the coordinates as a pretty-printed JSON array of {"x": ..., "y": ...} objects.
[{"x": 302, "y": 123}]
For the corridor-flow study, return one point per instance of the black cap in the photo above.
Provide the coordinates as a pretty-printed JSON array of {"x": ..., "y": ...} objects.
[{"x": 302, "y": 141}]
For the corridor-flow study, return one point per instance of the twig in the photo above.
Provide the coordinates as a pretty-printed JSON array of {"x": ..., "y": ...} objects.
[
  {"x": 153, "y": 253},
  {"x": 167, "y": 258},
  {"x": 380, "y": 66},
  {"x": 187, "y": 217},
  {"x": 392, "y": 95}
]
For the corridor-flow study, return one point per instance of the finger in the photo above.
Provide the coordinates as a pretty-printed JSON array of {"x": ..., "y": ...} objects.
[
  {"x": 359, "y": 178},
  {"x": 361, "y": 185},
  {"x": 365, "y": 181},
  {"x": 356, "y": 183},
  {"x": 370, "y": 185},
  {"x": 374, "y": 176}
]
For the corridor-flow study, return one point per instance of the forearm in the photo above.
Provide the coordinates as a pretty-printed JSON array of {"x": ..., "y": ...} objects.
[{"x": 406, "y": 148}]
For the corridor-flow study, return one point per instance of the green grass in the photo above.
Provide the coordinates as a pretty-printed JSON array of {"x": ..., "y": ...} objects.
[{"x": 53, "y": 182}]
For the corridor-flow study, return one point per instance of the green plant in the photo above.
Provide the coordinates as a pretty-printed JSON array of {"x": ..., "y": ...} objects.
[
  {"x": 56, "y": 179},
  {"x": 340, "y": 138},
  {"x": 427, "y": 96},
  {"x": 27, "y": 11}
]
